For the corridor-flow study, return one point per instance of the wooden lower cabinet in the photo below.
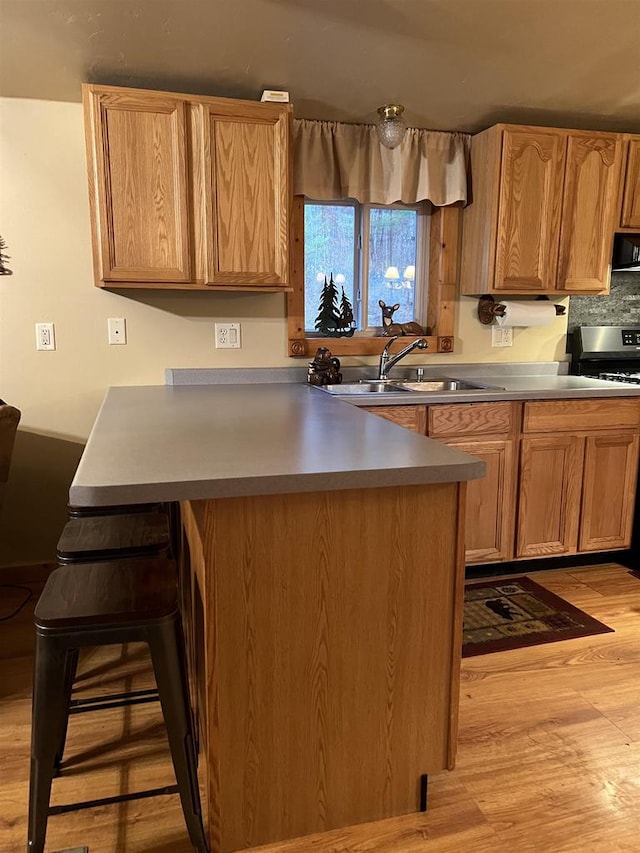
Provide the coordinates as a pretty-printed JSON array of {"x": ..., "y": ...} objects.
[
  {"x": 578, "y": 480},
  {"x": 609, "y": 490},
  {"x": 560, "y": 478},
  {"x": 326, "y": 658},
  {"x": 488, "y": 431},
  {"x": 490, "y": 504},
  {"x": 549, "y": 495}
]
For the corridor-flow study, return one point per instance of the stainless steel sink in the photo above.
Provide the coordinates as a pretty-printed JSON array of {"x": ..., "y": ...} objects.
[
  {"x": 365, "y": 387},
  {"x": 428, "y": 385},
  {"x": 396, "y": 386}
]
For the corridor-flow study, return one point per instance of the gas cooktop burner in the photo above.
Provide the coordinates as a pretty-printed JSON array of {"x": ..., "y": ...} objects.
[{"x": 630, "y": 378}]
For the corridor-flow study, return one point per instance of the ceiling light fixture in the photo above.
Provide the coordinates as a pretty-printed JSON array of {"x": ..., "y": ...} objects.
[{"x": 391, "y": 126}]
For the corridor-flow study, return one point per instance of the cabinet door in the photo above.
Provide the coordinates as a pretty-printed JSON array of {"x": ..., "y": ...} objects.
[
  {"x": 138, "y": 185},
  {"x": 490, "y": 503},
  {"x": 610, "y": 473},
  {"x": 549, "y": 500},
  {"x": 589, "y": 211},
  {"x": 631, "y": 195},
  {"x": 246, "y": 192},
  {"x": 529, "y": 210}
]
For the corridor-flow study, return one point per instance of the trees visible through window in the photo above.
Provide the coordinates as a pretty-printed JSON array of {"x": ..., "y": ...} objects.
[{"x": 373, "y": 252}]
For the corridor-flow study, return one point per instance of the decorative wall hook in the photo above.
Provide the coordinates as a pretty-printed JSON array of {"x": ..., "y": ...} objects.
[{"x": 488, "y": 309}]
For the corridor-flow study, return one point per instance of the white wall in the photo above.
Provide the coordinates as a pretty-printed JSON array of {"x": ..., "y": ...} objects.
[{"x": 44, "y": 219}]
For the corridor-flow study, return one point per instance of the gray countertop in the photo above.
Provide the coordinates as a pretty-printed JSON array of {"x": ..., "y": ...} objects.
[{"x": 167, "y": 443}]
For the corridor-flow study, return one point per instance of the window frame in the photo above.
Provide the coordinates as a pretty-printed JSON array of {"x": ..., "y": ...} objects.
[{"x": 440, "y": 277}]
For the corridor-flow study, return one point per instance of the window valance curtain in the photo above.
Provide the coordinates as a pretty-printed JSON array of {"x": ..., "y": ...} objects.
[{"x": 333, "y": 160}]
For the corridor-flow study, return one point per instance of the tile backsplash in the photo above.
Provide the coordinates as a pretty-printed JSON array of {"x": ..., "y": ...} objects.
[{"x": 620, "y": 308}]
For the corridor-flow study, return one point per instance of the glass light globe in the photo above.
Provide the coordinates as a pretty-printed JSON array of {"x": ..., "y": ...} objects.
[{"x": 391, "y": 126}]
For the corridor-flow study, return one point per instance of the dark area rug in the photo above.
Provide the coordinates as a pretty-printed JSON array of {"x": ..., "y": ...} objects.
[{"x": 518, "y": 612}]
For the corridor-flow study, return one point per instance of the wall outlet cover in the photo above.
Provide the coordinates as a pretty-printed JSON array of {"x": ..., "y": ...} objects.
[
  {"x": 45, "y": 336},
  {"x": 228, "y": 336},
  {"x": 117, "y": 331},
  {"x": 501, "y": 336}
]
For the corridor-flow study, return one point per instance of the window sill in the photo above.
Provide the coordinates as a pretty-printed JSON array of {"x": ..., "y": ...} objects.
[{"x": 306, "y": 347}]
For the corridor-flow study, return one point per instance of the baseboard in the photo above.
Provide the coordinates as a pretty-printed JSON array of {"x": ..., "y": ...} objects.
[
  {"x": 35, "y": 573},
  {"x": 626, "y": 558}
]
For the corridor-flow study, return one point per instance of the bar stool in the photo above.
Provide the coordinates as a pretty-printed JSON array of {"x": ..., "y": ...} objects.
[
  {"x": 94, "y": 538},
  {"x": 117, "y": 602},
  {"x": 118, "y": 509},
  {"x": 97, "y": 534}
]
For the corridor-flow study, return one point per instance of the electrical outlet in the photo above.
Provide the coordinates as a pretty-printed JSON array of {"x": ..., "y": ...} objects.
[
  {"x": 117, "y": 329},
  {"x": 501, "y": 336},
  {"x": 228, "y": 336},
  {"x": 45, "y": 336}
]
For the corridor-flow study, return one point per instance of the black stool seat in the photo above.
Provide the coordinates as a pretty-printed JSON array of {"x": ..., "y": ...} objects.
[
  {"x": 96, "y": 538},
  {"x": 115, "y": 593},
  {"x": 106, "y": 603},
  {"x": 119, "y": 509}
]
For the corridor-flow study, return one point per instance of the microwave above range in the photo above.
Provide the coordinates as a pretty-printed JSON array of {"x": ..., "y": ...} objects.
[{"x": 626, "y": 253}]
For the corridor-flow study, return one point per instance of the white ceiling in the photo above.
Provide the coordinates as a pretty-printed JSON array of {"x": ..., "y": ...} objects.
[{"x": 454, "y": 64}]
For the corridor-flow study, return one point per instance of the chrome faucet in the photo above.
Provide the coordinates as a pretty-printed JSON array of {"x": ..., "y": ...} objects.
[{"x": 387, "y": 361}]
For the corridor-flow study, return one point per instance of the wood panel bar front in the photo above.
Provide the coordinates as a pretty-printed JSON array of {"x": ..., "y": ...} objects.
[{"x": 329, "y": 637}]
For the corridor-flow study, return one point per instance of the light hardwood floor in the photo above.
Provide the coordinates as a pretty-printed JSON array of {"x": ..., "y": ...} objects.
[{"x": 548, "y": 757}]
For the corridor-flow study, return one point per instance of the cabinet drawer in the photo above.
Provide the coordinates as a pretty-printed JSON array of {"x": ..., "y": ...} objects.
[
  {"x": 410, "y": 417},
  {"x": 578, "y": 415},
  {"x": 471, "y": 419}
]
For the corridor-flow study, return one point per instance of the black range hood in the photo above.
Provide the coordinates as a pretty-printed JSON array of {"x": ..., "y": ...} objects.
[{"x": 626, "y": 253}]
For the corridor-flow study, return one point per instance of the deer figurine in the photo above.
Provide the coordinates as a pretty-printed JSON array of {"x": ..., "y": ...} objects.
[{"x": 390, "y": 329}]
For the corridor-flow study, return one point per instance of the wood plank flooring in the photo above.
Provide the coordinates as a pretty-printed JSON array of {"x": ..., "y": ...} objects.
[{"x": 548, "y": 757}]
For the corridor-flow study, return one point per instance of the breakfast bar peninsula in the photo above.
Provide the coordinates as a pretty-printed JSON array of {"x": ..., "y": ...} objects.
[{"x": 322, "y": 573}]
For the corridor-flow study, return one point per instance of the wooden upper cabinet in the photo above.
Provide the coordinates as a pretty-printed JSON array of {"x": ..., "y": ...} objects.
[
  {"x": 188, "y": 191},
  {"x": 243, "y": 169},
  {"x": 592, "y": 175},
  {"x": 630, "y": 216},
  {"x": 529, "y": 210},
  {"x": 542, "y": 212},
  {"x": 137, "y": 154}
]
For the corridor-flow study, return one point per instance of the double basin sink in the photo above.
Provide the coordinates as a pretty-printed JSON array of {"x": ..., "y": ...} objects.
[{"x": 396, "y": 386}]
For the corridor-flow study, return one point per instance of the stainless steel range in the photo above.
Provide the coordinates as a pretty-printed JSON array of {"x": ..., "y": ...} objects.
[{"x": 607, "y": 352}]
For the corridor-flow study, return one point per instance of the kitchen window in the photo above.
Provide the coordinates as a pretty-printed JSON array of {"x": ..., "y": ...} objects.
[
  {"x": 385, "y": 222},
  {"x": 374, "y": 253}
]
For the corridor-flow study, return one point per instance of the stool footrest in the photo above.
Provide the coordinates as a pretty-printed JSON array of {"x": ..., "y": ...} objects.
[
  {"x": 108, "y": 801},
  {"x": 115, "y": 700}
]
